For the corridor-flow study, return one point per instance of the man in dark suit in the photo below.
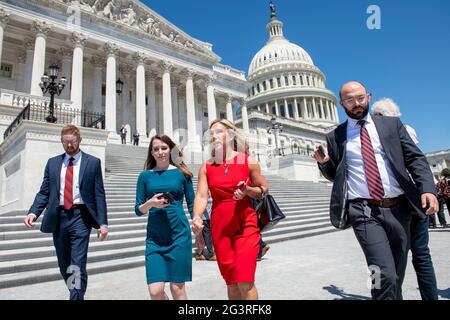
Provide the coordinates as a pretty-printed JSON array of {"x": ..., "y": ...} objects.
[
  {"x": 74, "y": 197},
  {"x": 368, "y": 160}
]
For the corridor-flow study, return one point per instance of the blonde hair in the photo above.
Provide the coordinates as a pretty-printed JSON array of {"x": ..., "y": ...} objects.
[
  {"x": 240, "y": 144},
  {"x": 386, "y": 107}
]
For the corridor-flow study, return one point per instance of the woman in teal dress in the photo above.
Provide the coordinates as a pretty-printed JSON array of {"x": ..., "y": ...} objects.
[{"x": 168, "y": 254}]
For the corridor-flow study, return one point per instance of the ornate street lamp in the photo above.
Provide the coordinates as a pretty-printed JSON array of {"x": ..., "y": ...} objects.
[
  {"x": 52, "y": 86},
  {"x": 276, "y": 128},
  {"x": 119, "y": 86}
]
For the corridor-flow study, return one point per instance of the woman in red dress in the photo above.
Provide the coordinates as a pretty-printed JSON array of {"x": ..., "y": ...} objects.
[{"x": 232, "y": 177}]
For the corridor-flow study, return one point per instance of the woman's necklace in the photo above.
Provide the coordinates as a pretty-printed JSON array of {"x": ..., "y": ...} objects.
[{"x": 225, "y": 165}]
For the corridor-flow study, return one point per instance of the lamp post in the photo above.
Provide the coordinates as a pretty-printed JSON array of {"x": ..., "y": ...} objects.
[
  {"x": 276, "y": 128},
  {"x": 52, "y": 86}
]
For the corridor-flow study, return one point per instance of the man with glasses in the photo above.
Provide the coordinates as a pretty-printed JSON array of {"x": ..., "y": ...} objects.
[
  {"x": 368, "y": 160},
  {"x": 73, "y": 195}
]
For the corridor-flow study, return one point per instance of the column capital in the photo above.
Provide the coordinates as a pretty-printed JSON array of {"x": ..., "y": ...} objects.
[
  {"x": 210, "y": 79},
  {"x": 4, "y": 18},
  {"x": 41, "y": 28},
  {"x": 229, "y": 98},
  {"x": 166, "y": 66},
  {"x": 111, "y": 48},
  {"x": 188, "y": 73},
  {"x": 65, "y": 53},
  {"x": 97, "y": 61},
  {"x": 78, "y": 39},
  {"x": 21, "y": 56},
  {"x": 139, "y": 57}
]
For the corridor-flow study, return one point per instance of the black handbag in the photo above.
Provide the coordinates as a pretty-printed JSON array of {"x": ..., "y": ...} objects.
[{"x": 269, "y": 214}]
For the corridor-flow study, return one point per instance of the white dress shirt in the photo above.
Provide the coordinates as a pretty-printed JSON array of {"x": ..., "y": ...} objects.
[
  {"x": 356, "y": 177},
  {"x": 76, "y": 181}
]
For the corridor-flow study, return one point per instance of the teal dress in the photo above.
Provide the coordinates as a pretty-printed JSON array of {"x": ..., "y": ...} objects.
[{"x": 168, "y": 254}]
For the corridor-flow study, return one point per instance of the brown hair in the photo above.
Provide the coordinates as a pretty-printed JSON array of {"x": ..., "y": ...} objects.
[
  {"x": 240, "y": 144},
  {"x": 70, "y": 129},
  {"x": 150, "y": 163}
]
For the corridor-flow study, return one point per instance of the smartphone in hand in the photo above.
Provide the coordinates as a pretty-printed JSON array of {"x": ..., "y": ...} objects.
[{"x": 321, "y": 151}]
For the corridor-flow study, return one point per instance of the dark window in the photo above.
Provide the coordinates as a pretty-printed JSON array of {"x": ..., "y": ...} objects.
[
  {"x": 294, "y": 81},
  {"x": 291, "y": 111},
  {"x": 271, "y": 83},
  {"x": 301, "y": 80},
  {"x": 253, "y": 90},
  {"x": 6, "y": 70},
  {"x": 264, "y": 86},
  {"x": 205, "y": 114},
  {"x": 104, "y": 90},
  {"x": 146, "y": 99},
  {"x": 286, "y": 81},
  {"x": 222, "y": 115},
  {"x": 282, "y": 112},
  {"x": 131, "y": 96},
  {"x": 279, "y": 82},
  {"x": 274, "y": 110}
]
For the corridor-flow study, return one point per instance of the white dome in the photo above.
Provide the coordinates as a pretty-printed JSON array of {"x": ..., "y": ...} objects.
[{"x": 279, "y": 50}]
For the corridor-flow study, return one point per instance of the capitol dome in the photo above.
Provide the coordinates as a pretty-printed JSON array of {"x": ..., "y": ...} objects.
[
  {"x": 279, "y": 50},
  {"x": 283, "y": 82}
]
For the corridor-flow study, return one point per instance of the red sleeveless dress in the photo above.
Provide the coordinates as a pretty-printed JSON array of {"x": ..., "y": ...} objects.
[{"x": 234, "y": 223}]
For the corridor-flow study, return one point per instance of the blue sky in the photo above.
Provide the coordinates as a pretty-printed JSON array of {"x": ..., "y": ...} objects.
[{"x": 407, "y": 60}]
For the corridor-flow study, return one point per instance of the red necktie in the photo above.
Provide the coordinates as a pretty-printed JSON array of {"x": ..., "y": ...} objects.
[
  {"x": 68, "y": 186},
  {"x": 373, "y": 178}
]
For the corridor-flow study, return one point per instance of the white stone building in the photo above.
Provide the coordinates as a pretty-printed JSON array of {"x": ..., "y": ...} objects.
[
  {"x": 173, "y": 83},
  {"x": 286, "y": 87},
  {"x": 438, "y": 161}
]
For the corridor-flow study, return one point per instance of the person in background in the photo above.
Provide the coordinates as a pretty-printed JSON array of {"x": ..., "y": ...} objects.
[
  {"x": 123, "y": 134},
  {"x": 421, "y": 257},
  {"x": 207, "y": 250},
  {"x": 443, "y": 191},
  {"x": 136, "y": 138}
]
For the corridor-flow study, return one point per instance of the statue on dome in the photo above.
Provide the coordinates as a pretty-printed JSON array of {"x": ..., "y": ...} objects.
[{"x": 273, "y": 9}]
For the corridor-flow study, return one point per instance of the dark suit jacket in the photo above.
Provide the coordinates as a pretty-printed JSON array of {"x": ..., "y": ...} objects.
[
  {"x": 401, "y": 151},
  {"x": 91, "y": 189}
]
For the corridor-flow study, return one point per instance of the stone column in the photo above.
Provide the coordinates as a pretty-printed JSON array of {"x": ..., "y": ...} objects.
[
  {"x": 230, "y": 108},
  {"x": 286, "y": 109},
  {"x": 151, "y": 99},
  {"x": 41, "y": 30},
  {"x": 193, "y": 139},
  {"x": 175, "y": 113},
  {"x": 244, "y": 113},
  {"x": 275, "y": 82},
  {"x": 4, "y": 18},
  {"x": 76, "y": 94},
  {"x": 277, "y": 109},
  {"x": 267, "y": 108},
  {"x": 296, "y": 116},
  {"x": 98, "y": 63},
  {"x": 305, "y": 109},
  {"x": 110, "y": 101},
  {"x": 126, "y": 71},
  {"x": 141, "y": 117},
  {"x": 66, "y": 70},
  {"x": 314, "y": 108},
  {"x": 29, "y": 44},
  {"x": 167, "y": 99},
  {"x": 324, "y": 113},
  {"x": 211, "y": 100}
]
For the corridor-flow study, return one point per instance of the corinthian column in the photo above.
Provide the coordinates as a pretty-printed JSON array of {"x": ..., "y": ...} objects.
[
  {"x": 141, "y": 117},
  {"x": 212, "y": 113},
  {"x": 244, "y": 113},
  {"x": 230, "y": 107},
  {"x": 41, "y": 30},
  {"x": 29, "y": 44},
  {"x": 76, "y": 94},
  {"x": 167, "y": 99},
  {"x": 98, "y": 63},
  {"x": 151, "y": 78},
  {"x": 110, "y": 100},
  {"x": 193, "y": 139},
  {"x": 4, "y": 18},
  {"x": 66, "y": 70}
]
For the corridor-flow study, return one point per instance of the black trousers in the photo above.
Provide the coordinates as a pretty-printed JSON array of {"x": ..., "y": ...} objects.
[
  {"x": 208, "y": 251},
  {"x": 384, "y": 236},
  {"x": 71, "y": 241},
  {"x": 421, "y": 259}
]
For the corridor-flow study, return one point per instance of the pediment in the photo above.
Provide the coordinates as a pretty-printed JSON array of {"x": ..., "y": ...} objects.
[{"x": 135, "y": 16}]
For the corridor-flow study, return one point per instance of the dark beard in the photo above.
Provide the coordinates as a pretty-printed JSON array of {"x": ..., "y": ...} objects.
[{"x": 358, "y": 115}]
